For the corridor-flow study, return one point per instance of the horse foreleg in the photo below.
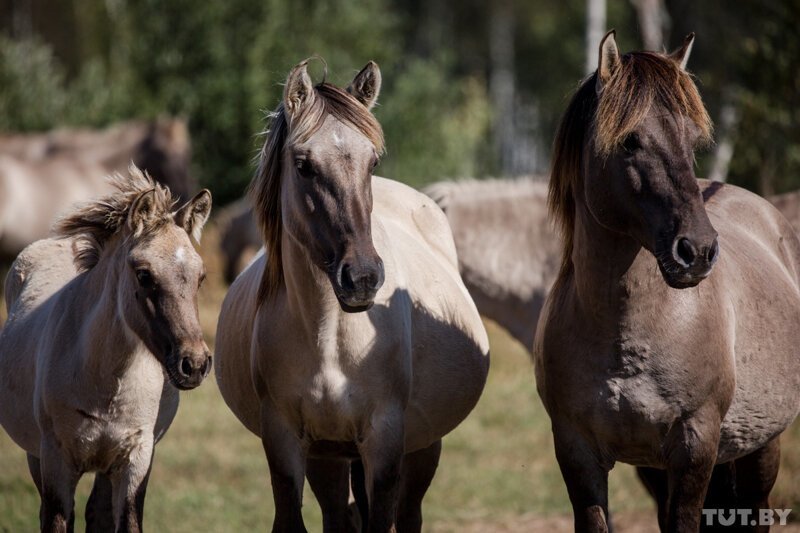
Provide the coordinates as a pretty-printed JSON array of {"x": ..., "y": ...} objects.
[
  {"x": 382, "y": 454},
  {"x": 418, "y": 470},
  {"x": 755, "y": 476},
  {"x": 100, "y": 508},
  {"x": 691, "y": 453},
  {"x": 58, "y": 482},
  {"x": 129, "y": 485},
  {"x": 286, "y": 456},
  {"x": 586, "y": 478},
  {"x": 35, "y": 468},
  {"x": 330, "y": 481}
]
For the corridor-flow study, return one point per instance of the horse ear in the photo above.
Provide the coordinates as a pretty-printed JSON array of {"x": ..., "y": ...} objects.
[
  {"x": 142, "y": 209},
  {"x": 609, "y": 59},
  {"x": 298, "y": 91},
  {"x": 681, "y": 55},
  {"x": 192, "y": 216},
  {"x": 366, "y": 86}
]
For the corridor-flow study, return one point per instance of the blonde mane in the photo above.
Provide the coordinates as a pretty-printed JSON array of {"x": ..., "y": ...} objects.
[
  {"x": 266, "y": 185},
  {"x": 96, "y": 222},
  {"x": 641, "y": 80}
]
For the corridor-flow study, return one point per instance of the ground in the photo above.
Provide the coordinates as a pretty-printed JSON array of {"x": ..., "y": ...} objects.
[{"x": 498, "y": 470}]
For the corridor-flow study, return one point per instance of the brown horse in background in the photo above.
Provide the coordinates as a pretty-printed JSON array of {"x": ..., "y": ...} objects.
[
  {"x": 160, "y": 147},
  {"x": 239, "y": 237},
  {"x": 669, "y": 340},
  {"x": 44, "y": 174}
]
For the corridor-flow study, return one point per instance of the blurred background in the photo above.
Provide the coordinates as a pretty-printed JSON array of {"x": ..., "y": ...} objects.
[{"x": 470, "y": 89}]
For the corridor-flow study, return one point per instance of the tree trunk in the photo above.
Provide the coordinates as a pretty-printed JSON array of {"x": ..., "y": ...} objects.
[
  {"x": 653, "y": 18},
  {"x": 501, "y": 82},
  {"x": 726, "y": 129},
  {"x": 595, "y": 29}
]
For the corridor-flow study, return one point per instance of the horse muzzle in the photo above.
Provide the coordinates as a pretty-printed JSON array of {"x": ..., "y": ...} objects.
[
  {"x": 188, "y": 369},
  {"x": 357, "y": 282},
  {"x": 688, "y": 262}
]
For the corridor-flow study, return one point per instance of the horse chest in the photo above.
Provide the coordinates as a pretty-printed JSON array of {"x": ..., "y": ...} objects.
[
  {"x": 99, "y": 434},
  {"x": 331, "y": 388}
]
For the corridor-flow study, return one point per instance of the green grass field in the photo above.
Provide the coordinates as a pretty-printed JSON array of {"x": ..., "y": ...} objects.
[{"x": 498, "y": 470}]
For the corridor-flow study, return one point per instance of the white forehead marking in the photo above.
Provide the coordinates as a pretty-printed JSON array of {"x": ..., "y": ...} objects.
[
  {"x": 180, "y": 255},
  {"x": 336, "y": 139}
]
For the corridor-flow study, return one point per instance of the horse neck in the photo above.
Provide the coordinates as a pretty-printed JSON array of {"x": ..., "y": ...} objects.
[
  {"x": 107, "y": 345},
  {"x": 602, "y": 263},
  {"x": 309, "y": 294}
]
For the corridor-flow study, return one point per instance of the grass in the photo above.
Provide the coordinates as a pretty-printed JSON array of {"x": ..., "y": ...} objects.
[{"x": 498, "y": 468}]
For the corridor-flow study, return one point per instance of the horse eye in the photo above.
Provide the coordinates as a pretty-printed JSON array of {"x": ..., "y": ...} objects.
[
  {"x": 631, "y": 143},
  {"x": 145, "y": 279},
  {"x": 202, "y": 279},
  {"x": 304, "y": 168}
]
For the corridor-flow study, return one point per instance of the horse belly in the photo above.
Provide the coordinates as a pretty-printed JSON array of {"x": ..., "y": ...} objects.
[
  {"x": 445, "y": 391},
  {"x": 17, "y": 370}
]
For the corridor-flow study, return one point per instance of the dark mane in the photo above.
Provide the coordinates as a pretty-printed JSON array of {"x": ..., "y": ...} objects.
[
  {"x": 266, "y": 185},
  {"x": 641, "y": 80}
]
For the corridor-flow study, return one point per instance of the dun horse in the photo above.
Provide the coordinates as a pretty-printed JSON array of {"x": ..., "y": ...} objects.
[
  {"x": 669, "y": 340},
  {"x": 97, "y": 319},
  {"x": 508, "y": 252},
  {"x": 354, "y": 337}
]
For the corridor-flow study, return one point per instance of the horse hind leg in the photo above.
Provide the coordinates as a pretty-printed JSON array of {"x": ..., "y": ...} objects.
[
  {"x": 99, "y": 508},
  {"x": 417, "y": 474},
  {"x": 330, "y": 482}
]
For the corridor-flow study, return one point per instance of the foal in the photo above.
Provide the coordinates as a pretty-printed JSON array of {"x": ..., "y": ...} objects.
[
  {"x": 670, "y": 338},
  {"x": 354, "y": 338},
  {"x": 102, "y": 330}
]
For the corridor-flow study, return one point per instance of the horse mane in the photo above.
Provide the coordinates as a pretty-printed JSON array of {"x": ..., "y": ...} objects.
[
  {"x": 94, "y": 223},
  {"x": 641, "y": 80},
  {"x": 266, "y": 185}
]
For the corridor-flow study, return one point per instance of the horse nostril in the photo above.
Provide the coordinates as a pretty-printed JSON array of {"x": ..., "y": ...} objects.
[
  {"x": 207, "y": 366},
  {"x": 186, "y": 367},
  {"x": 713, "y": 252},
  {"x": 685, "y": 251},
  {"x": 347, "y": 281}
]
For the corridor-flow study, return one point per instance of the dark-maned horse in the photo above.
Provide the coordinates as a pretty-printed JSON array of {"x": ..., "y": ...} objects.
[
  {"x": 670, "y": 338},
  {"x": 353, "y": 338}
]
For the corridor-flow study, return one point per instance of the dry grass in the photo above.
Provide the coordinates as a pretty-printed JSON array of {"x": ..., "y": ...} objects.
[{"x": 498, "y": 470}]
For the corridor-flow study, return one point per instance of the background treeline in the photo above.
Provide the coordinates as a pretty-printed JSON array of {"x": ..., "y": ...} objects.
[{"x": 471, "y": 88}]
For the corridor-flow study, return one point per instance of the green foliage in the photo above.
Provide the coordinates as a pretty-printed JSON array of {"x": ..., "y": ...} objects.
[
  {"x": 221, "y": 64},
  {"x": 434, "y": 127},
  {"x": 31, "y": 79}
]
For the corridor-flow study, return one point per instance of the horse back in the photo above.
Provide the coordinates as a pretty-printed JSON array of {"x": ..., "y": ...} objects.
[{"x": 416, "y": 212}]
